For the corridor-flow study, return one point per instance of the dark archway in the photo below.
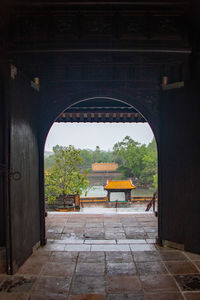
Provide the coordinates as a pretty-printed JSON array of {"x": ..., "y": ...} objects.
[{"x": 75, "y": 62}]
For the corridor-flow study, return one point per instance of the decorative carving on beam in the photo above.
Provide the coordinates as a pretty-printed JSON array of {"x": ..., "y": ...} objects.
[
  {"x": 132, "y": 27},
  {"x": 97, "y": 26},
  {"x": 107, "y": 26},
  {"x": 30, "y": 27},
  {"x": 65, "y": 26},
  {"x": 101, "y": 117},
  {"x": 167, "y": 27}
]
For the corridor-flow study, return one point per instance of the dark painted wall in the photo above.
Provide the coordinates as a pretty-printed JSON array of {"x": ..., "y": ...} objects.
[
  {"x": 179, "y": 167},
  {"x": 2, "y": 174},
  {"x": 24, "y": 193}
]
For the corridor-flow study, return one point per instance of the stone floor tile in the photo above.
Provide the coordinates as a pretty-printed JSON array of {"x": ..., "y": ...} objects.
[
  {"x": 137, "y": 236},
  {"x": 114, "y": 230},
  {"x": 134, "y": 229},
  {"x": 14, "y": 296},
  {"x": 72, "y": 235},
  {"x": 161, "y": 283},
  {"x": 72, "y": 226},
  {"x": 152, "y": 235},
  {"x": 147, "y": 268},
  {"x": 31, "y": 268},
  {"x": 145, "y": 256},
  {"x": 97, "y": 242},
  {"x": 151, "y": 229},
  {"x": 3, "y": 277},
  {"x": 48, "y": 297},
  {"x": 115, "y": 235},
  {"x": 93, "y": 234},
  {"x": 88, "y": 285},
  {"x": 94, "y": 225},
  {"x": 121, "y": 269},
  {"x": 192, "y": 256},
  {"x": 77, "y": 248},
  {"x": 192, "y": 295},
  {"x": 172, "y": 255},
  {"x": 113, "y": 225},
  {"x": 77, "y": 231},
  {"x": 58, "y": 269},
  {"x": 181, "y": 267},
  {"x": 67, "y": 241},
  {"x": 126, "y": 297},
  {"x": 111, "y": 228},
  {"x": 119, "y": 257},
  {"x": 56, "y": 236},
  {"x": 197, "y": 263},
  {"x": 110, "y": 248},
  {"x": 21, "y": 284},
  {"x": 52, "y": 285},
  {"x": 164, "y": 248},
  {"x": 129, "y": 223},
  {"x": 147, "y": 223},
  {"x": 54, "y": 247},
  {"x": 142, "y": 247},
  {"x": 91, "y": 269},
  {"x": 189, "y": 282},
  {"x": 37, "y": 260},
  {"x": 63, "y": 257},
  {"x": 72, "y": 241},
  {"x": 164, "y": 296},
  {"x": 151, "y": 241},
  {"x": 41, "y": 255},
  {"x": 123, "y": 284},
  {"x": 109, "y": 223},
  {"x": 55, "y": 229},
  {"x": 87, "y": 297},
  {"x": 131, "y": 241},
  {"x": 91, "y": 257}
]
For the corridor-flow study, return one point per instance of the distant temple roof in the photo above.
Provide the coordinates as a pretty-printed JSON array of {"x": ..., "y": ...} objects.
[
  {"x": 103, "y": 167},
  {"x": 119, "y": 185}
]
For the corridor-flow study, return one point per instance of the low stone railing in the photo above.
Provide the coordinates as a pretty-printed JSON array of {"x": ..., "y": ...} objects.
[{"x": 104, "y": 199}]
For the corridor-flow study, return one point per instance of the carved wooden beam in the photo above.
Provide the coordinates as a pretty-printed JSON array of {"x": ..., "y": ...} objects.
[{"x": 100, "y": 117}]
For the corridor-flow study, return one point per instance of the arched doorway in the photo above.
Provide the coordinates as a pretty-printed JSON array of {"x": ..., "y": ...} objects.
[{"x": 100, "y": 109}]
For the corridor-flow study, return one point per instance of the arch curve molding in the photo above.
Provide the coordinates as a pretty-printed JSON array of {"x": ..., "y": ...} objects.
[{"x": 146, "y": 102}]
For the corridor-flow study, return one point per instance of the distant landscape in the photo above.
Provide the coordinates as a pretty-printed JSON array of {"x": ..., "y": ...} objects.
[{"x": 136, "y": 161}]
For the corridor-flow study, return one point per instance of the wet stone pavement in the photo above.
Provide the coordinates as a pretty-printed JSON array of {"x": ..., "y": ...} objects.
[{"x": 104, "y": 257}]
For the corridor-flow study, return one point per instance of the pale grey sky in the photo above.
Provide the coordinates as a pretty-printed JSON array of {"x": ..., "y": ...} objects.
[{"x": 90, "y": 135}]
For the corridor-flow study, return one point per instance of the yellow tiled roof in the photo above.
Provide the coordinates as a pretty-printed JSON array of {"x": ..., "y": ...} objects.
[
  {"x": 119, "y": 185},
  {"x": 104, "y": 167}
]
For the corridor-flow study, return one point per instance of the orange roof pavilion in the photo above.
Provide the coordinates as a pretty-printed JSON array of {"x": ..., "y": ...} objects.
[{"x": 119, "y": 185}]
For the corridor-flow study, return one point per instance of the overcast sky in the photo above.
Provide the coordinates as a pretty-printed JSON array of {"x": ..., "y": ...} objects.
[{"x": 90, "y": 135}]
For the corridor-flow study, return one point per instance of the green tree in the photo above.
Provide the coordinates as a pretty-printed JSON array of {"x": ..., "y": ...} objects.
[
  {"x": 97, "y": 155},
  {"x": 149, "y": 172},
  {"x": 87, "y": 156},
  {"x": 136, "y": 161},
  {"x": 49, "y": 161},
  {"x": 128, "y": 155},
  {"x": 64, "y": 176},
  {"x": 155, "y": 181}
]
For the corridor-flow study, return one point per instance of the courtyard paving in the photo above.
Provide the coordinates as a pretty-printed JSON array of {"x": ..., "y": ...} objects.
[{"x": 104, "y": 257}]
